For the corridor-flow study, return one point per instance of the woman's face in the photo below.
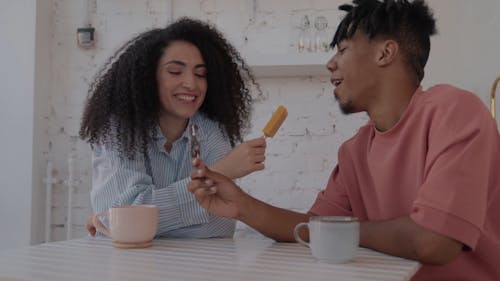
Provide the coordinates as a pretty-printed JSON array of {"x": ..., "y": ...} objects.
[{"x": 182, "y": 80}]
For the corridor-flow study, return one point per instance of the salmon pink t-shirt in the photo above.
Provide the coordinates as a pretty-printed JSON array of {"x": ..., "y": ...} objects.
[{"x": 439, "y": 165}]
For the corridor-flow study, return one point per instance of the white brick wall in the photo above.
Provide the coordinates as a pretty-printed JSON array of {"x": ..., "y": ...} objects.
[
  {"x": 302, "y": 154},
  {"x": 299, "y": 157}
]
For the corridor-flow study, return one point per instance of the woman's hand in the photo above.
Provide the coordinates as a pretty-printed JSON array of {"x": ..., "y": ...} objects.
[
  {"x": 244, "y": 159},
  {"x": 89, "y": 225}
]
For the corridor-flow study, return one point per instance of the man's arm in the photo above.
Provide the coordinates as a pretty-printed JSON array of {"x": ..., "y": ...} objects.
[
  {"x": 404, "y": 238},
  {"x": 271, "y": 221},
  {"x": 222, "y": 197},
  {"x": 400, "y": 237}
]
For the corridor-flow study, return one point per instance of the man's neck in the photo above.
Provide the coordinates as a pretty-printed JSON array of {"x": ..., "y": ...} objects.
[{"x": 391, "y": 105}]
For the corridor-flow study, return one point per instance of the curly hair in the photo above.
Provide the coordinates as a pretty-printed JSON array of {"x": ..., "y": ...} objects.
[
  {"x": 123, "y": 106},
  {"x": 410, "y": 23}
]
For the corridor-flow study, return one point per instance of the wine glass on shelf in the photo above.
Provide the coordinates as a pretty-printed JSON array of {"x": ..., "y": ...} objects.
[
  {"x": 320, "y": 37},
  {"x": 305, "y": 39}
]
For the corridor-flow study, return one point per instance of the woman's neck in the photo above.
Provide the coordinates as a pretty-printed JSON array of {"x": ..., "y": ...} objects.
[{"x": 172, "y": 128}]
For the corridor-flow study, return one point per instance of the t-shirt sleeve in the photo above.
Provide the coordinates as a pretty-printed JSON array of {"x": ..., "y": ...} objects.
[
  {"x": 333, "y": 200},
  {"x": 452, "y": 200}
]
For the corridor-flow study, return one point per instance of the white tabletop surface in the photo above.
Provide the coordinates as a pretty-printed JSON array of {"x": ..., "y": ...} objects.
[{"x": 96, "y": 259}]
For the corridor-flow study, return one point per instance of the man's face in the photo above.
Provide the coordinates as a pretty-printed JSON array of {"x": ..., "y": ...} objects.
[{"x": 354, "y": 71}]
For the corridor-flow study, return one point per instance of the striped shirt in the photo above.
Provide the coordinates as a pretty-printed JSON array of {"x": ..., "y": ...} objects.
[{"x": 162, "y": 181}]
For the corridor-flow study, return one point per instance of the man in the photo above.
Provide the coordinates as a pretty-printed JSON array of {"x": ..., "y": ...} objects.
[{"x": 420, "y": 175}]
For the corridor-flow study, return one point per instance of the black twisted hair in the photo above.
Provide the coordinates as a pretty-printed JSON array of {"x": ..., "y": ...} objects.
[
  {"x": 410, "y": 23},
  {"x": 123, "y": 105}
]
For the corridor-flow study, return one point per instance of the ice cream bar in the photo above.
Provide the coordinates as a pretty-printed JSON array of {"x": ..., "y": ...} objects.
[
  {"x": 275, "y": 122},
  {"x": 194, "y": 141}
]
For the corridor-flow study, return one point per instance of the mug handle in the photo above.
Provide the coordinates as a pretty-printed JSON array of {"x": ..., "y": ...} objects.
[
  {"x": 296, "y": 233},
  {"x": 99, "y": 225}
]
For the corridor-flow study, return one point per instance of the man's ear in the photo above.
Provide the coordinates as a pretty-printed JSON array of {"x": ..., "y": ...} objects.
[{"x": 387, "y": 52}]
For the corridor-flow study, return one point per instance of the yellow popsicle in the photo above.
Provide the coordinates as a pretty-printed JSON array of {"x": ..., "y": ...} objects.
[{"x": 275, "y": 122}]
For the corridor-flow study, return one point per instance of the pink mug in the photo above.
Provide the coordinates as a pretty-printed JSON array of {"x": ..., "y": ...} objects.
[{"x": 131, "y": 226}]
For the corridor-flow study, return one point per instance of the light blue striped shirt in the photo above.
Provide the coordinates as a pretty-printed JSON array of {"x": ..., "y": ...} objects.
[{"x": 162, "y": 181}]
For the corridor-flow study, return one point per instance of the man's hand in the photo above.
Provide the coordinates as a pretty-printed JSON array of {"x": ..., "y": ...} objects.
[
  {"x": 89, "y": 225},
  {"x": 215, "y": 192}
]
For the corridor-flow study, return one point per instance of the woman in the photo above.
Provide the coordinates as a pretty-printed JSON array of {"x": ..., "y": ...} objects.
[{"x": 136, "y": 117}]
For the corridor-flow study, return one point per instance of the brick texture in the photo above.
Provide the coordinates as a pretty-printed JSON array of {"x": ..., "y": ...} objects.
[{"x": 300, "y": 156}]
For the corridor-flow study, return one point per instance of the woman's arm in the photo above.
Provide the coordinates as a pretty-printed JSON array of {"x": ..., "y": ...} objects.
[
  {"x": 244, "y": 159},
  {"x": 118, "y": 181}
]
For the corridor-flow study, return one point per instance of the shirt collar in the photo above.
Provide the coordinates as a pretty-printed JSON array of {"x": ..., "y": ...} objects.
[{"x": 160, "y": 139}]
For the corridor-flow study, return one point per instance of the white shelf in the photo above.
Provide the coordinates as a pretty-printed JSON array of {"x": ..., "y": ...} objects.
[{"x": 288, "y": 65}]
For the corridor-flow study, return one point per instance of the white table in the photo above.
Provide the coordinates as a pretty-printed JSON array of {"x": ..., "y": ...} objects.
[{"x": 96, "y": 259}]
